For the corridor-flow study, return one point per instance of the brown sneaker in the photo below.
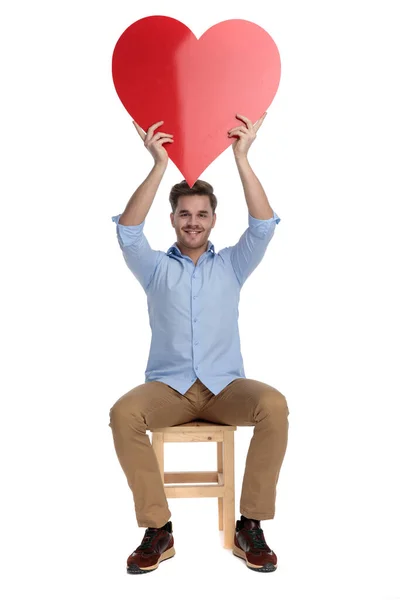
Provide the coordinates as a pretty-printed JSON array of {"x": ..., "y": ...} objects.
[
  {"x": 157, "y": 545},
  {"x": 249, "y": 544}
]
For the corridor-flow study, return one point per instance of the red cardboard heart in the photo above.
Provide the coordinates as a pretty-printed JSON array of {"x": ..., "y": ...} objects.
[{"x": 162, "y": 72}]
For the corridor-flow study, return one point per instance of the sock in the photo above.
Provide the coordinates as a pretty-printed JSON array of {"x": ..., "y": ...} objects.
[
  {"x": 163, "y": 527},
  {"x": 243, "y": 518}
]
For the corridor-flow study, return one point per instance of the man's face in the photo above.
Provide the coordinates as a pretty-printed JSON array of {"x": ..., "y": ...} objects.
[{"x": 193, "y": 213}]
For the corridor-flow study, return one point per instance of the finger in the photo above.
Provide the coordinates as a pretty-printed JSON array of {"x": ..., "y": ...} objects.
[
  {"x": 151, "y": 129},
  {"x": 243, "y": 127},
  {"x": 236, "y": 129},
  {"x": 139, "y": 130},
  {"x": 159, "y": 134},
  {"x": 157, "y": 143},
  {"x": 162, "y": 141},
  {"x": 246, "y": 120},
  {"x": 260, "y": 122},
  {"x": 240, "y": 134}
]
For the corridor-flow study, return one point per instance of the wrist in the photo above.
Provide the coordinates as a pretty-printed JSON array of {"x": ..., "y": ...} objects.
[
  {"x": 242, "y": 160},
  {"x": 160, "y": 165}
]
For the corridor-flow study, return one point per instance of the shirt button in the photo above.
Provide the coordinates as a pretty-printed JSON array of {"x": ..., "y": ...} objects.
[
  {"x": 195, "y": 320},
  {"x": 196, "y": 343},
  {"x": 194, "y": 297},
  {"x": 196, "y": 368}
]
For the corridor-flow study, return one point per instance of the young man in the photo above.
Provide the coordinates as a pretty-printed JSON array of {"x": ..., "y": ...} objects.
[{"x": 195, "y": 368}]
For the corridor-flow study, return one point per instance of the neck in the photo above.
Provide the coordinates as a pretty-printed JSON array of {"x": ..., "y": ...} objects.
[{"x": 193, "y": 254}]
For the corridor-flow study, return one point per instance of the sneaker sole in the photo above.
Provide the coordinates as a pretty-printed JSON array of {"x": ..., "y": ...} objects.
[
  {"x": 135, "y": 570},
  {"x": 267, "y": 568}
]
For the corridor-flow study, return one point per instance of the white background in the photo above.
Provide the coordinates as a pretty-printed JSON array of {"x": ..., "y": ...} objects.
[{"x": 318, "y": 318}]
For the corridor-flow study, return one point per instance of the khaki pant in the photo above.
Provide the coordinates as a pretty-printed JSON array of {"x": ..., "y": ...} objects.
[{"x": 242, "y": 402}]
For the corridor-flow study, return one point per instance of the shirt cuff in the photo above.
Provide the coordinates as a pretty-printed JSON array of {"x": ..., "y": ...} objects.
[
  {"x": 261, "y": 227},
  {"x": 128, "y": 234},
  {"x": 274, "y": 218}
]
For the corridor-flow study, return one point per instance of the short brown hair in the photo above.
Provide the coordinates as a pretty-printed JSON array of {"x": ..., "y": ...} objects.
[{"x": 200, "y": 188}]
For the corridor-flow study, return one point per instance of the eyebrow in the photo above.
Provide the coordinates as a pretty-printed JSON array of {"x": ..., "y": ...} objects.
[{"x": 187, "y": 211}]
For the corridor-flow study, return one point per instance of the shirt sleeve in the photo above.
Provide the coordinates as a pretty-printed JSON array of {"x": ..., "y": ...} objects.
[
  {"x": 247, "y": 254},
  {"x": 140, "y": 258}
]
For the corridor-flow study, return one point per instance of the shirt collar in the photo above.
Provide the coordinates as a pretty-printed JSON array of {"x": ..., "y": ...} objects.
[{"x": 175, "y": 250}]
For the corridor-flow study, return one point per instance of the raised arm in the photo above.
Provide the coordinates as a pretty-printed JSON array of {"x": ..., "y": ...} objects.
[
  {"x": 255, "y": 195},
  {"x": 141, "y": 259},
  {"x": 139, "y": 204},
  {"x": 251, "y": 247}
]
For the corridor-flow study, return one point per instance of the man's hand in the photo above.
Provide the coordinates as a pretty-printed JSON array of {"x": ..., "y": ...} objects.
[
  {"x": 246, "y": 135},
  {"x": 154, "y": 142}
]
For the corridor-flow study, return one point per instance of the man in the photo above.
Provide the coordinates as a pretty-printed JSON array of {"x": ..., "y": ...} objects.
[{"x": 195, "y": 368}]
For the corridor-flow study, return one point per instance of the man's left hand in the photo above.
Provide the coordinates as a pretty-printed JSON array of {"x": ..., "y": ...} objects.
[{"x": 246, "y": 135}]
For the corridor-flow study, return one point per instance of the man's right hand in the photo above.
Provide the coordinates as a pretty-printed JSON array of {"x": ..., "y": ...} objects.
[{"x": 154, "y": 142}]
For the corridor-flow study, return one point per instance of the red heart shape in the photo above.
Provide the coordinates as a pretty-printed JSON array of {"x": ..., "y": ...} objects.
[{"x": 162, "y": 72}]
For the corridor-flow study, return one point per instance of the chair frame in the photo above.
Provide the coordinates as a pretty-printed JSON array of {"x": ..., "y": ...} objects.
[{"x": 183, "y": 484}]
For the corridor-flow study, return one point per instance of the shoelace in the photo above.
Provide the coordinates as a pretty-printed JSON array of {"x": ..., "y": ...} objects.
[
  {"x": 147, "y": 540},
  {"x": 258, "y": 540}
]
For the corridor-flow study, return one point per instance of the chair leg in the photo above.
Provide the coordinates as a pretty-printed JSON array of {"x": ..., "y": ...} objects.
[
  {"x": 229, "y": 483},
  {"x": 220, "y": 469},
  {"x": 158, "y": 447}
]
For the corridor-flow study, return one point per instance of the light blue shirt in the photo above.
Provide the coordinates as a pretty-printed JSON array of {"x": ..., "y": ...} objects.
[{"x": 194, "y": 309}]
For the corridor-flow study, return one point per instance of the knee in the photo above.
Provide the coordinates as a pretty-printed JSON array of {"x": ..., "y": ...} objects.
[
  {"x": 123, "y": 413},
  {"x": 273, "y": 406},
  {"x": 115, "y": 414}
]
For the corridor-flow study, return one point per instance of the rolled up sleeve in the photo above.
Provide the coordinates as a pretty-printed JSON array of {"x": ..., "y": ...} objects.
[
  {"x": 128, "y": 234},
  {"x": 263, "y": 227},
  {"x": 247, "y": 254},
  {"x": 140, "y": 258}
]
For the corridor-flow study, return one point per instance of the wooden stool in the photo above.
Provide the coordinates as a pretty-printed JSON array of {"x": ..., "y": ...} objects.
[{"x": 223, "y": 479}]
